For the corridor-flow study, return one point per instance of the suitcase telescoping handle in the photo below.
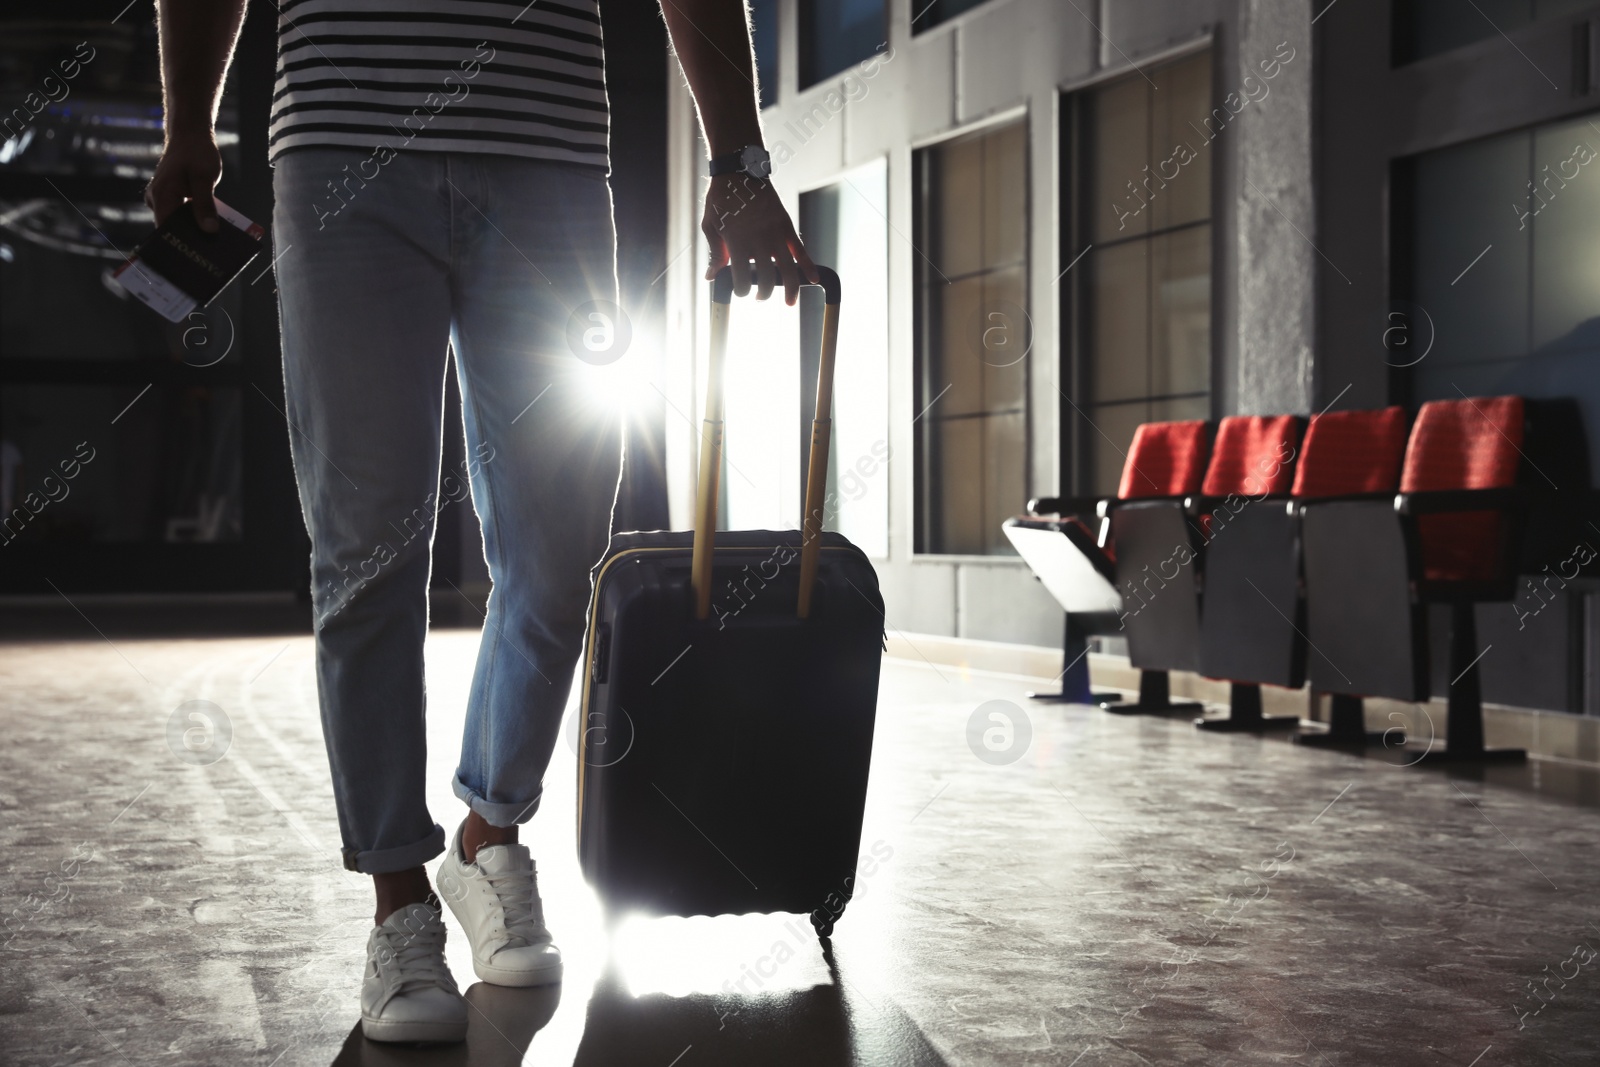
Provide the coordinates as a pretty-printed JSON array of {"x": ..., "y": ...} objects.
[{"x": 705, "y": 512}]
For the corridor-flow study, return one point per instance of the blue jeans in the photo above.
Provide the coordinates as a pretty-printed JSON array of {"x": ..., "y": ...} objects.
[{"x": 385, "y": 266}]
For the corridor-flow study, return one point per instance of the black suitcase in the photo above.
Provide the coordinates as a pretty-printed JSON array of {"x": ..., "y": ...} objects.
[{"x": 728, "y": 706}]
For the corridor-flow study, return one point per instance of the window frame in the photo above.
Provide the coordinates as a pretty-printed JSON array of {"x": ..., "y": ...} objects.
[
  {"x": 1404, "y": 48},
  {"x": 920, "y": 7}
]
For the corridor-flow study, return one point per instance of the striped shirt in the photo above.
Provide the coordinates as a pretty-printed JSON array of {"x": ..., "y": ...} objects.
[{"x": 507, "y": 77}]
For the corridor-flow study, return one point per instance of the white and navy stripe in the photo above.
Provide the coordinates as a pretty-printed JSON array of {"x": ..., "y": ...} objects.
[{"x": 501, "y": 76}]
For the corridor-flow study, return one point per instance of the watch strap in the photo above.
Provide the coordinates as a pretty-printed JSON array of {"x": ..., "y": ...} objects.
[
  {"x": 742, "y": 161},
  {"x": 729, "y": 163}
]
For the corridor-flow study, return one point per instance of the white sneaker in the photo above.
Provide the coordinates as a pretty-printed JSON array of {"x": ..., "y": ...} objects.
[
  {"x": 407, "y": 993},
  {"x": 496, "y": 898}
]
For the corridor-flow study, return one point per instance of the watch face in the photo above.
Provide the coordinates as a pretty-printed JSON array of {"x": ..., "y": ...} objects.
[{"x": 757, "y": 163}]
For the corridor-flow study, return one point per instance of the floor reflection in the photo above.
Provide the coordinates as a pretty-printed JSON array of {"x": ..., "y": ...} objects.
[
  {"x": 1551, "y": 778},
  {"x": 829, "y": 1024},
  {"x": 1566, "y": 781},
  {"x": 1026, "y": 914},
  {"x": 832, "y": 1024}
]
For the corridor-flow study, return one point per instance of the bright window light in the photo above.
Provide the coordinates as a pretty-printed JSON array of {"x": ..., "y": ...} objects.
[{"x": 761, "y": 383}]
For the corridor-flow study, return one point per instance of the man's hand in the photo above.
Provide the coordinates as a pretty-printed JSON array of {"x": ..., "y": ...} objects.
[
  {"x": 197, "y": 39},
  {"x": 747, "y": 226},
  {"x": 745, "y": 222},
  {"x": 190, "y": 168}
]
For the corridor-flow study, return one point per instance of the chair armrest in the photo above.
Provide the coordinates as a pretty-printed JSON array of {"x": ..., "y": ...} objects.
[
  {"x": 1069, "y": 505},
  {"x": 1200, "y": 505},
  {"x": 1299, "y": 505},
  {"x": 1509, "y": 498}
]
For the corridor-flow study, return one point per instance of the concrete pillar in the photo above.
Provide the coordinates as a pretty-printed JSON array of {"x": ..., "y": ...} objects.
[{"x": 1275, "y": 257}]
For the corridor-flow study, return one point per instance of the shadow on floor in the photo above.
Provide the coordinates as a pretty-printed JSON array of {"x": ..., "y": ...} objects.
[
  {"x": 501, "y": 1023},
  {"x": 824, "y": 1026}
]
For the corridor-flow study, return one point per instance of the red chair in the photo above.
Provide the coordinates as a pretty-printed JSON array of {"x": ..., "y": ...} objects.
[
  {"x": 1240, "y": 502},
  {"x": 1452, "y": 536},
  {"x": 1165, "y": 460},
  {"x": 1152, "y": 544},
  {"x": 1078, "y": 565},
  {"x": 1253, "y": 613}
]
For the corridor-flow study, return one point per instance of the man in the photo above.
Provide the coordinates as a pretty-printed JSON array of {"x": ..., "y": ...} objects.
[{"x": 440, "y": 181}]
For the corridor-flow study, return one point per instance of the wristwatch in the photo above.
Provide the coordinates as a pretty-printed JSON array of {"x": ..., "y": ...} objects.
[{"x": 752, "y": 159}]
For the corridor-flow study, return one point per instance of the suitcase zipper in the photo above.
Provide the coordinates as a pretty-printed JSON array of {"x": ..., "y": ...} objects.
[{"x": 599, "y": 664}]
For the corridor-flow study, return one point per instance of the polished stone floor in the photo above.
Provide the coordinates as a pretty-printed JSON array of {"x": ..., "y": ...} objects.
[{"x": 1060, "y": 887}]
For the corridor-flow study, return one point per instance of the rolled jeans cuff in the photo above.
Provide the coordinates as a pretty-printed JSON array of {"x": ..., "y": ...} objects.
[
  {"x": 403, "y": 858},
  {"x": 493, "y": 813}
]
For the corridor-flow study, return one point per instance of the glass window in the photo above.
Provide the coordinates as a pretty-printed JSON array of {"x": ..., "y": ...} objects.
[
  {"x": 762, "y": 389},
  {"x": 837, "y": 34},
  {"x": 1504, "y": 274},
  {"x": 845, "y": 225},
  {"x": 764, "y": 35},
  {"x": 973, "y": 339},
  {"x": 1427, "y": 27},
  {"x": 769, "y": 379},
  {"x": 1565, "y": 233},
  {"x": 1457, "y": 216},
  {"x": 1143, "y": 289},
  {"x": 930, "y": 13}
]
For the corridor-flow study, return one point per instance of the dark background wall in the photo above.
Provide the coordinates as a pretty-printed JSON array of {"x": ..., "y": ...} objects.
[{"x": 636, "y": 77}]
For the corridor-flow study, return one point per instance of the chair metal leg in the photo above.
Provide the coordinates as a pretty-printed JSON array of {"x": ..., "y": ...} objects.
[
  {"x": 1155, "y": 698},
  {"x": 1464, "y": 707},
  {"x": 1075, "y": 672},
  {"x": 1244, "y": 713},
  {"x": 1347, "y": 728}
]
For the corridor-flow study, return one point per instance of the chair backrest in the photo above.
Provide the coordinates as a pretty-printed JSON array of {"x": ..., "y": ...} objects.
[
  {"x": 1254, "y": 456},
  {"x": 1348, "y": 453},
  {"x": 1166, "y": 459},
  {"x": 1472, "y": 443}
]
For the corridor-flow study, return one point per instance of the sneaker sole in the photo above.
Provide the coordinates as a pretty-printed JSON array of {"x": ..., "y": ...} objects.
[
  {"x": 413, "y": 1031},
  {"x": 488, "y": 972}
]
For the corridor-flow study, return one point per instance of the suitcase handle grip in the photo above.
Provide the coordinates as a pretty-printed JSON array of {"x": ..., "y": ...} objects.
[
  {"x": 705, "y": 512},
  {"x": 722, "y": 286}
]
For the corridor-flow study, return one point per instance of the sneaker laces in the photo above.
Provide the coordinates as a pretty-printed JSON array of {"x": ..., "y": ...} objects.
[
  {"x": 518, "y": 893},
  {"x": 419, "y": 958}
]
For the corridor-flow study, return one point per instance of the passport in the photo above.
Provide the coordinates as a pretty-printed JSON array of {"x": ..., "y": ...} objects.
[{"x": 180, "y": 267}]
